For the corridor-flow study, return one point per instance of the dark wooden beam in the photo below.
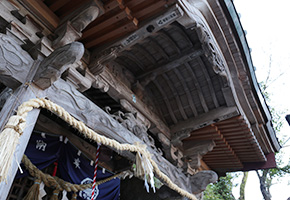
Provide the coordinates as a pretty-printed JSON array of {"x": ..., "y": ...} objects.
[
  {"x": 158, "y": 70},
  {"x": 209, "y": 82},
  {"x": 169, "y": 40},
  {"x": 120, "y": 91},
  {"x": 101, "y": 26},
  {"x": 42, "y": 12},
  {"x": 187, "y": 91},
  {"x": 158, "y": 23},
  {"x": 197, "y": 87},
  {"x": 83, "y": 109},
  {"x": 176, "y": 96},
  {"x": 166, "y": 101},
  {"x": 206, "y": 119}
]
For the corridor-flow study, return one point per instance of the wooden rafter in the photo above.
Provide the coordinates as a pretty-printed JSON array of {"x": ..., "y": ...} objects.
[
  {"x": 166, "y": 101},
  {"x": 187, "y": 91},
  {"x": 173, "y": 63},
  {"x": 170, "y": 40},
  {"x": 197, "y": 87},
  {"x": 176, "y": 96},
  {"x": 209, "y": 82},
  {"x": 206, "y": 119},
  {"x": 42, "y": 12}
]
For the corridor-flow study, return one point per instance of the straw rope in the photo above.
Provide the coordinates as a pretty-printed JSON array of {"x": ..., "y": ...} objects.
[
  {"x": 58, "y": 183},
  {"x": 89, "y": 133}
]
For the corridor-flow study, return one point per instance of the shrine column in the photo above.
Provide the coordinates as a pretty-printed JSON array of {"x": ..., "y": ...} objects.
[{"x": 28, "y": 79}]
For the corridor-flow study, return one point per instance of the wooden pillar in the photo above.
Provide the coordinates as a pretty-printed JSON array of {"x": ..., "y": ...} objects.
[{"x": 20, "y": 95}]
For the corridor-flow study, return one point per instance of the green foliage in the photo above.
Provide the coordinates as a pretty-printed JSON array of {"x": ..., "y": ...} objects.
[
  {"x": 221, "y": 190},
  {"x": 267, "y": 176}
]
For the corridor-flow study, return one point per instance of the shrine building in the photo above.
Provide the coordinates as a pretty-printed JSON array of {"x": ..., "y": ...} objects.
[{"x": 137, "y": 99}]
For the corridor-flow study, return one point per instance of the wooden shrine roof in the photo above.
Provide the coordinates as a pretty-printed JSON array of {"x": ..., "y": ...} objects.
[{"x": 192, "y": 78}]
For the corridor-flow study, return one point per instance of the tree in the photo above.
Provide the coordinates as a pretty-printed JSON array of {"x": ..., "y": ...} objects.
[
  {"x": 243, "y": 185},
  {"x": 221, "y": 190},
  {"x": 266, "y": 176}
]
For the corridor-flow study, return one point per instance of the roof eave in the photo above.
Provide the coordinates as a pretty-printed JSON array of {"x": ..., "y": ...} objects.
[{"x": 233, "y": 19}]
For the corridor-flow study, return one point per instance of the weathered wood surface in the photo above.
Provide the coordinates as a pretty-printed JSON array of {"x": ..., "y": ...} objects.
[
  {"x": 81, "y": 108},
  {"x": 78, "y": 21},
  {"x": 15, "y": 63},
  {"x": 120, "y": 91},
  {"x": 51, "y": 68},
  {"x": 24, "y": 67},
  {"x": 195, "y": 150},
  {"x": 22, "y": 94},
  {"x": 184, "y": 58},
  {"x": 98, "y": 61},
  {"x": 206, "y": 119}
]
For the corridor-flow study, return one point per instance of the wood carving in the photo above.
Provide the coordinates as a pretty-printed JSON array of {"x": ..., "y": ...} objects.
[
  {"x": 171, "y": 153},
  {"x": 195, "y": 150},
  {"x": 97, "y": 65},
  {"x": 179, "y": 136},
  {"x": 194, "y": 19},
  {"x": 71, "y": 30},
  {"x": 51, "y": 68},
  {"x": 15, "y": 63},
  {"x": 201, "y": 179},
  {"x": 136, "y": 126},
  {"x": 78, "y": 76},
  {"x": 101, "y": 84},
  {"x": 130, "y": 108},
  {"x": 119, "y": 91},
  {"x": 83, "y": 109},
  {"x": 211, "y": 51}
]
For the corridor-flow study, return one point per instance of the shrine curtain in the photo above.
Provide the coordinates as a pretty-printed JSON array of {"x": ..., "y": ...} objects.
[{"x": 44, "y": 149}]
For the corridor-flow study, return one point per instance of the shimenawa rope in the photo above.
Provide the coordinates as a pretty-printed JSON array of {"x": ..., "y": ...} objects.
[
  {"x": 16, "y": 124},
  {"x": 58, "y": 183}
]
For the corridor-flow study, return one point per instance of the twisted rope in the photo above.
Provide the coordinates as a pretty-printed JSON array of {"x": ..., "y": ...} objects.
[
  {"x": 58, "y": 183},
  {"x": 89, "y": 133}
]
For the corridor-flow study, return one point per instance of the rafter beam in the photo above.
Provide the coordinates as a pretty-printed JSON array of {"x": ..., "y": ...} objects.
[
  {"x": 187, "y": 92},
  {"x": 206, "y": 119},
  {"x": 101, "y": 57},
  {"x": 197, "y": 86},
  {"x": 158, "y": 70},
  {"x": 176, "y": 96}
]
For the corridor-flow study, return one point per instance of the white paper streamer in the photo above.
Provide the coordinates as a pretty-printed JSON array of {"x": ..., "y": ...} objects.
[
  {"x": 64, "y": 197},
  {"x": 42, "y": 192}
]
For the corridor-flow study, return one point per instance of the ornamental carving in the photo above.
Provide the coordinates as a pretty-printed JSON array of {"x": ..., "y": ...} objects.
[
  {"x": 136, "y": 126},
  {"x": 194, "y": 151},
  {"x": 200, "y": 180},
  {"x": 99, "y": 61},
  {"x": 211, "y": 50},
  {"x": 51, "y": 68},
  {"x": 116, "y": 127},
  {"x": 194, "y": 19},
  {"x": 15, "y": 63},
  {"x": 101, "y": 84},
  {"x": 71, "y": 30}
]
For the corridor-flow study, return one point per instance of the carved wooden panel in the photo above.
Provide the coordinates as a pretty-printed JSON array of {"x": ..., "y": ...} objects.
[
  {"x": 51, "y": 68},
  {"x": 83, "y": 109},
  {"x": 15, "y": 63}
]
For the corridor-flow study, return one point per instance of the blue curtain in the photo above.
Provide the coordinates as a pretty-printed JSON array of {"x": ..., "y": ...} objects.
[{"x": 44, "y": 149}]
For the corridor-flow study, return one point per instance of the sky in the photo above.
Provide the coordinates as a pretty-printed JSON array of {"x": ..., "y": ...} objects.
[{"x": 267, "y": 27}]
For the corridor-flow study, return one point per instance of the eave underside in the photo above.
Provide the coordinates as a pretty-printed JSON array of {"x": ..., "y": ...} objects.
[{"x": 170, "y": 70}]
